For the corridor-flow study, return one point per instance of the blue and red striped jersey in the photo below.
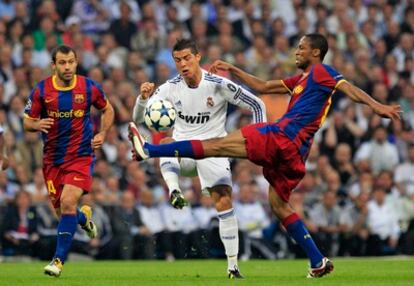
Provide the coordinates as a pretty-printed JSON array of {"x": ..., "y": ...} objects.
[
  {"x": 309, "y": 104},
  {"x": 70, "y": 107}
]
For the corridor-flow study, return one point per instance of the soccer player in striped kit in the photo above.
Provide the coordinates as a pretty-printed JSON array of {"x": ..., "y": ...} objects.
[
  {"x": 281, "y": 147},
  {"x": 201, "y": 101},
  {"x": 60, "y": 108}
]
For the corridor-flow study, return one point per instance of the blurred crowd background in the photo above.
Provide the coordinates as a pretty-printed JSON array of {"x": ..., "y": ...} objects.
[{"x": 357, "y": 197}]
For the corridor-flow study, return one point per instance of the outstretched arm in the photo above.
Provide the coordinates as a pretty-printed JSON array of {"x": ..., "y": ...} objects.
[
  {"x": 358, "y": 95},
  {"x": 259, "y": 85}
]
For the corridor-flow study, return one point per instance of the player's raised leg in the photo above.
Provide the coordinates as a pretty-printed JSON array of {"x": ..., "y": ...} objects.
[
  {"x": 66, "y": 228},
  {"x": 232, "y": 145},
  {"x": 319, "y": 265}
]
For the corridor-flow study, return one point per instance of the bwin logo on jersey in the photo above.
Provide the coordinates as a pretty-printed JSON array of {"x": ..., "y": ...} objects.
[{"x": 200, "y": 118}]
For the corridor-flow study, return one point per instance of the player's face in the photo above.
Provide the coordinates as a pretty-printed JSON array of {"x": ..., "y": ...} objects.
[
  {"x": 303, "y": 54},
  {"x": 187, "y": 63},
  {"x": 65, "y": 66}
]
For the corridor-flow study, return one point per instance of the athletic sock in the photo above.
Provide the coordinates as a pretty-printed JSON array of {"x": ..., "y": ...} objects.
[
  {"x": 66, "y": 230},
  {"x": 229, "y": 235},
  {"x": 170, "y": 169},
  {"x": 81, "y": 217},
  {"x": 187, "y": 148},
  {"x": 297, "y": 230}
]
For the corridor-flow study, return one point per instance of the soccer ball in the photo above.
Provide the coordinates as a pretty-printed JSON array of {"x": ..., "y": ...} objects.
[{"x": 160, "y": 115}]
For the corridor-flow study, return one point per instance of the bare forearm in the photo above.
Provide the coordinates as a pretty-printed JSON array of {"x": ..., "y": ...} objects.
[
  {"x": 107, "y": 118},
  {"x": 30, "y": 125},
  {"x": 358, "y": 95},
  {"x": 253, "y": 82}
]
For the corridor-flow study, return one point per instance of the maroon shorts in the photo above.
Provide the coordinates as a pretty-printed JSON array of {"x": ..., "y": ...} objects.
[
  {"x": 76, "y": 172},
  {"x": 283, "y": 166}
]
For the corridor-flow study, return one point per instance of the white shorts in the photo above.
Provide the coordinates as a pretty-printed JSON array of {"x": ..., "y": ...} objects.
[{"x": 211, "y": 171}]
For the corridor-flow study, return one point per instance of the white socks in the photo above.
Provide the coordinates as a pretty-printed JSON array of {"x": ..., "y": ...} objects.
[
  {"x": 229, "y": 235},
  {"x": 170, "y": 169}
]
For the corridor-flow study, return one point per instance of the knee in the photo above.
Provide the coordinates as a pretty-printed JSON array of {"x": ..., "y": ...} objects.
[
  {"x": 280, "y": 209},
  {"x": 224, "y": 203},
  {"x": 68, "y": 203},
  {"x": 222, "y": 198}
]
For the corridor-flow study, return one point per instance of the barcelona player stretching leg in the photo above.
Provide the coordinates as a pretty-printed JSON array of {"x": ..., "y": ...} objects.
[
  {"x": 280, "y": 147},
  {"x": 60, "y": 107}
]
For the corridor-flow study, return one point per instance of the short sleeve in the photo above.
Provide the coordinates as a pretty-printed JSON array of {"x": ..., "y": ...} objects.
[
  {"x": 326, "y": 76},
  {"x": 33, "y": 106},
  {"x": 291, "y": 82},
  {"x": 98, "y": 96}
]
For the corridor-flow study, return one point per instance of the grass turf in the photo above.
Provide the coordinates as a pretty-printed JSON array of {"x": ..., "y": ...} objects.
[{"x": 361, "y": 272}]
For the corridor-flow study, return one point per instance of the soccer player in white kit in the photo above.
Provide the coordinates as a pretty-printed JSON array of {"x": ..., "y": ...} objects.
[{"x": 201, "y": 101}]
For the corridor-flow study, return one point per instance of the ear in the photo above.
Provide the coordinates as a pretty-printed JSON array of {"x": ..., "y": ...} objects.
[{"x": 316, "y": 53}]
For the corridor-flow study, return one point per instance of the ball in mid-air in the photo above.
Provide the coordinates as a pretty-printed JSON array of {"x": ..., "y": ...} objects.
[{"x": 160, "y": 115}]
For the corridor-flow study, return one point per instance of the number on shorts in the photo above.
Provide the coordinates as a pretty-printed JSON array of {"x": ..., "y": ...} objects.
[{"x": 51, "y": 187}]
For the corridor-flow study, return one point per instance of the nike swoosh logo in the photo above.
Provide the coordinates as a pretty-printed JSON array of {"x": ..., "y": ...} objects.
[
  {"x": 64, "y": 233},
  {"x": 78, "y": 179},
  {"x": 176, "y": 153},
  {"x": 49, "y": 100}
]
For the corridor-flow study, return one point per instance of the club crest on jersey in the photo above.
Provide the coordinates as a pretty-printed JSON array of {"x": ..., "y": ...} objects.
[
  {"x": 298, "y": 89},
  {"x": 79, "y": 98},
  {"x": 210, "y": 102}
]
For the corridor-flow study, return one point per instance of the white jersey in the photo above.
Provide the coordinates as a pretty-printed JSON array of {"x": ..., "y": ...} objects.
[{"x": 201, "y": 111}]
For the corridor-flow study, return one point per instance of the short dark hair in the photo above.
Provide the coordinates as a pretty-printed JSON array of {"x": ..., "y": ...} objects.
[
  {"x": 318, "y": 41},
  {"x": 183, "y": 44},
  {"x": 62, "y": 49}
]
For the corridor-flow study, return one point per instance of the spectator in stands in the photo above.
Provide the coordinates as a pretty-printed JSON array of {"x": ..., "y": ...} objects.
[
  {"x": 381, "y": 154},
  {"x": 252, "y": 220},
  {"x": 123, "y": 28},
  {"x": 325, "y": 216},
  {"x": 403, "y": 175},
  {"x": 134, "y": 239},
  {"x": 19, "y": 229},
  {"x": 382, "y": 222},
  {"x": 355, "y": 232}
]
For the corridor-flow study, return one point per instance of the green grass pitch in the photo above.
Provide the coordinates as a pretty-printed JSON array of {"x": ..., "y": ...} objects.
[{"x": 360, "y": 272}]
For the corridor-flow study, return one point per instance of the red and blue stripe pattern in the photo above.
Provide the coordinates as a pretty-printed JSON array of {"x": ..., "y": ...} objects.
[
  {"x": 310, "y": 102},
  {"x": 72, "y": 131}
]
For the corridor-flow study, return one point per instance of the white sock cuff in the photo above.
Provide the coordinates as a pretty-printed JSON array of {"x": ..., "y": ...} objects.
[{"x": 226, "y": 214}]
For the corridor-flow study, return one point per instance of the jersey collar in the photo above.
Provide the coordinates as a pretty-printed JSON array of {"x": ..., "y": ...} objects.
[{"x": 66, "y": 88}]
